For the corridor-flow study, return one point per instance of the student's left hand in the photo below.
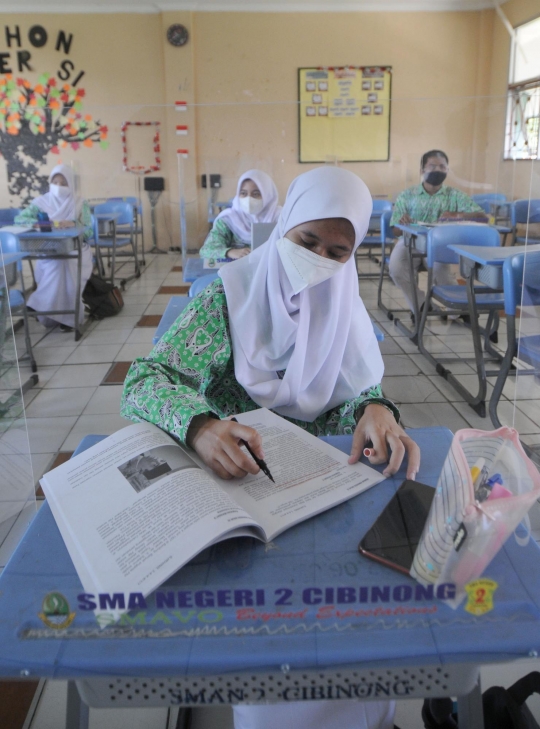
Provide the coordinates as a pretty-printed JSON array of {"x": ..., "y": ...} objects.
[{"x": 378, "y": 425}]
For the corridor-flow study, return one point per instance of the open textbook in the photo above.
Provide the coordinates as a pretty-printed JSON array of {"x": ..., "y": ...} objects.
[{"x": 137, "y": 506}]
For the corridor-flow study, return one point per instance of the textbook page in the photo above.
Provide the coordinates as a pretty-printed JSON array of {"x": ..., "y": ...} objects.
[
  {"x": 311, "y": 476},
  {"x": 135, "y": 508}
]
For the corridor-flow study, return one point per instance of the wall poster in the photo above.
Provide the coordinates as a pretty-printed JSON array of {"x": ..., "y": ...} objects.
[{"x": 344, "y": 113}]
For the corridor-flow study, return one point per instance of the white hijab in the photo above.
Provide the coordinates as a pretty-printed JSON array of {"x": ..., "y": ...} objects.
[
  {"x": 56, "y": 207},
  {"x": 323, "y": 336},
  {"x": 238, "y": 220}
]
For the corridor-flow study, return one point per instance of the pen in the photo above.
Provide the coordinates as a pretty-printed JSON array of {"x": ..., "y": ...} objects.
[{"x": 259, "y": 461}]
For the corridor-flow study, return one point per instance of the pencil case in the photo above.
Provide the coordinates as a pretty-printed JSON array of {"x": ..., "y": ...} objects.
[{"x": 462, "y": 534}]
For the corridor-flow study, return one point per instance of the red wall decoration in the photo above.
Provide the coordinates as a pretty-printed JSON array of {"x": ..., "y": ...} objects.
[{"x": 139, "y": 169}]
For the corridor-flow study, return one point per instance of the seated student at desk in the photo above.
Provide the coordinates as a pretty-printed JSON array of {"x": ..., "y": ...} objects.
[
  {"x": 285, "y": 329},
  {"x": 256, "y": 201},
  {"x": 57, "y": 279},
  {"x": 425, "y": 203}
]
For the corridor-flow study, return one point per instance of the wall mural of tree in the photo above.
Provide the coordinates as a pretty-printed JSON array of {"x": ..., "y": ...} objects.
[{"x": 36, "y": 120}]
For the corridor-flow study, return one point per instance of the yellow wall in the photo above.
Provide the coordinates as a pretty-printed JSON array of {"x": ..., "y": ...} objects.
[{"x": 239, "y": 75}]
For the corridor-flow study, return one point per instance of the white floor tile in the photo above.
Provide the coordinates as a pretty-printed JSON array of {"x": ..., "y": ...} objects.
[
  {"x": 417, "y": 389},
  {"x": 53, "y": 355},
  {"x": 117, "y": 322},
  {"x": 129, "y": 352},
  {"x": 131, "y": 310},
  {"x": 140, "y": 335},
  {"x": 105, "y": 400},
  {"x": 53, "y": 403},
  {"x": 94, "y": 353},
  {"x": 47, "y": 435},
  {"x": 389, "y": 347},
  {"x": 85, "y": 375},
  {"x": 106, "y": 336},
  {"x": 155, "y": 309},
  {"x": 427, "y": 415},
  {"x": 399, "y": 364},
  {"x": 514, "y": 417},
  {"x": 102, "y": 424}
]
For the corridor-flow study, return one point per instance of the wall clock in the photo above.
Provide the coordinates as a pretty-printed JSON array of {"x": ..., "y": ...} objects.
[{"x": 177, "y": 35}]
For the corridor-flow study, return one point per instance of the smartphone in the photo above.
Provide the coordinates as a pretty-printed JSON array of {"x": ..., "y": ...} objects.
[
  {"x": 393, "y": 538},
  {"x": 44, "y": 222}
]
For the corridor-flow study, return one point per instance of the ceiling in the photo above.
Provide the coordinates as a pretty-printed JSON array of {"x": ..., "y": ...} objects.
[{"x": 147, "y": 6}]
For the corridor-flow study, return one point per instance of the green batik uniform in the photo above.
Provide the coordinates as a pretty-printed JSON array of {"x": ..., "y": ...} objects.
[
  {"x": 422, "y": 207},
  {"x": 219, "y": 240},
  {"x": 190, "y": 372},
  {"x": 29, "y": 216}
]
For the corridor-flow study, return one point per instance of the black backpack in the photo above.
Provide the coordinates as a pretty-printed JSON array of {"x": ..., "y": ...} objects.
[
  {"x": 101, "y": 298},
  {"x": 503, "y": 708}
]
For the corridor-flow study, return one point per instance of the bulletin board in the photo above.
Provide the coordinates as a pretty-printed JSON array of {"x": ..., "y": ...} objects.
[{"x": 344, "y": 114}]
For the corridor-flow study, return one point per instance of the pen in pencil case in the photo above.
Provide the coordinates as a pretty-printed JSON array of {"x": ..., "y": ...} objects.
[{"x": 259, "y": 461}]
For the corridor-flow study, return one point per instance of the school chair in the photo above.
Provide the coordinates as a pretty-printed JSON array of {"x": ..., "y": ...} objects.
[
  {"x": 17, "y": 302},
  {"x": 387, "y": 243},
  {"x": 8, "y": 215},
  {"x": 374, "y": 236},
  {"x": 114, "y": 244},
  {"x": 201, "y": 283},
  {"x": 454, "y": 299},
  {"x": 490, "y": 202},
  {"x": 524, "y": 212},
  {"x": 521, "y": 281},
  {"x": 137, "y": 221}
]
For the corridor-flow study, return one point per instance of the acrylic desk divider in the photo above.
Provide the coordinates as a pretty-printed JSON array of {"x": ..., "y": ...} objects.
[{"x": 17, "y": 377}]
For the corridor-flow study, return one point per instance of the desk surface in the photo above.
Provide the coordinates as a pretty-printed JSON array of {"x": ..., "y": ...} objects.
[
  {"x": 319, "y": 556},
  {"x": 488, "y": 256},
  {"x": 54, "y": 234}
]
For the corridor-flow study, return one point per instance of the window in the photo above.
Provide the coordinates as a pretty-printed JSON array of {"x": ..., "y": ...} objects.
[{"x": 523, "y": 115}]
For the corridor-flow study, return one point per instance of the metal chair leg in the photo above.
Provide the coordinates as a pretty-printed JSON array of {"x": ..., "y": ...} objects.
[{"x": 506, "y": 365}]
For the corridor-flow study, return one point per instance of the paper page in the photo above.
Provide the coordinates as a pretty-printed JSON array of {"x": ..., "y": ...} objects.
[
  {"x": 134, "y": 508},
  {"x": 17, "y": 229},
  {"x": 311, "y": 476}
]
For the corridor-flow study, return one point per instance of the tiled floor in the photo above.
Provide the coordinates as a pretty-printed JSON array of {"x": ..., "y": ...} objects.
[{"x": 71, "y": 401}]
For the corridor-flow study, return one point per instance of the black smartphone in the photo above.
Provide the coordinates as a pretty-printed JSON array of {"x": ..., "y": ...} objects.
[
  {"x": 44, "y": 222},
  {"x": 393, "y": 538}
]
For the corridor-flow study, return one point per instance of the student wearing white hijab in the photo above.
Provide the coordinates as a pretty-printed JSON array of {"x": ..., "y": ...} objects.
[
  {"x": 284, "y": 329},
  {"x": 57, "y": 279},
  {"x": 256, "y": 201}
]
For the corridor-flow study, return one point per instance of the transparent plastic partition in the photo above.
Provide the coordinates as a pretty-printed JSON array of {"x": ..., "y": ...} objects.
[
  {"x": 200, "y": 170},
  {"x": 17, "y": 380},
  {"x": 524, "y": 391}
]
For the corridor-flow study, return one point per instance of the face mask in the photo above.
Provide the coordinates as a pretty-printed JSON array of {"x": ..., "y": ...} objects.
[
  {"x": 435, "y": 178},
  {"x": 251, "y": 205},
  {"x": 59, "y": 191},
  {"x": 305, "y": 268}
]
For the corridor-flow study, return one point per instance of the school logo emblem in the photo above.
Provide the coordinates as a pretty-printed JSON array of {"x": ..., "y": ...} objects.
[
  {"x": 480, "y": 596},
  {"x": 55, "y": 611}
]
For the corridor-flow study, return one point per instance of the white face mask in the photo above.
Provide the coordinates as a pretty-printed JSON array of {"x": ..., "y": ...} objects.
[
  {"x": 251, "y": 205},
  {"x": 59, "y": 191},
  {"x": 305, "y": 268}
]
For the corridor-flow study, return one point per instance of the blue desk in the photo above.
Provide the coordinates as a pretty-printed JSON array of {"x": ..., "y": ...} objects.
[
  {"x": 485, "y": 265},
  {"x": 60, "y": 243},
  {"x": 194, "y": 269},
  {"x": 326, "y": 617},
  {"x": 175, "y": 307}
]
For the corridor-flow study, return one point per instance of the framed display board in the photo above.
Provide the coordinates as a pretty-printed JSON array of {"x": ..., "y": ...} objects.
[{"x": 344, "y": 113}]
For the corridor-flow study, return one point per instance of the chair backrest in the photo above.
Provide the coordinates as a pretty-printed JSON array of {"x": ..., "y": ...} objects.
[
  {"x": 137, "y": 204},
  {"x": 521, "y": 269},
  {"x": 8, "y": 215},
  {"x": 440, "y": 237},
  {"x": 260, "y": 232},
  {"x": 525, "y": 211},
  {"x": 9, "y": 244},
  {"x": 488, "y": 199},
  {"x": 381, "y": 206},
  {"x": 125, "y": 209},
  {"x": 201, "y": 283},
  {"x": 387, "y": 231}
]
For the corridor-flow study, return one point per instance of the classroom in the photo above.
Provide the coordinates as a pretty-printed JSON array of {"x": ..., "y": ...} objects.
[{"x": 193, "y": 194}]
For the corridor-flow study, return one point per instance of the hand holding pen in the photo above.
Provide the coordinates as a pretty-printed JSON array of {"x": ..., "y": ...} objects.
[{"x": 259, "y": 461}]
